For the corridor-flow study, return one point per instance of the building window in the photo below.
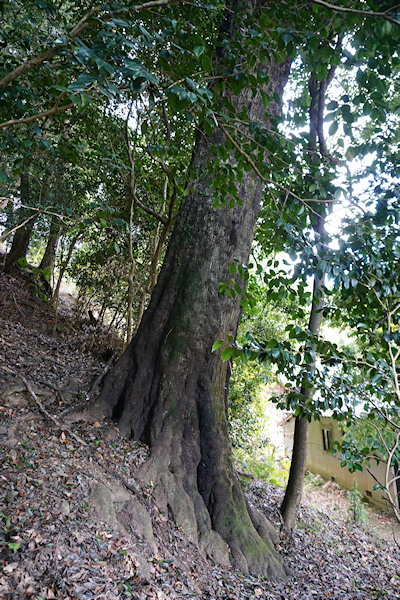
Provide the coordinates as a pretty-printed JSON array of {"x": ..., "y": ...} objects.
[{"x": 327, "y": 438}]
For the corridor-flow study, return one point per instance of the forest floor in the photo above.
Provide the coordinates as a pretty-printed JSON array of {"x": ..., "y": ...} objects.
[{"x": 71, "y": 505}]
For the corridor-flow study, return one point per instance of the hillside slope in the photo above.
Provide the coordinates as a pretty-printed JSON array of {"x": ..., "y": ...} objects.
[{"x": 77, "y": 523}]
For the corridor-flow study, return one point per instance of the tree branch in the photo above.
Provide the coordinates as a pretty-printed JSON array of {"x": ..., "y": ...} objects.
[
  {"x": 28, "y": 65},
  {"x": 5, "y": 235},
  {"x": 43, "y": 211},
  {"x": 46, "y": 113},
  {"x": 356, "y": 11},
  {"x": 265, "y": 180},
  {"x": 60, "y": 425},
  {"x": 135, "y": 487}
]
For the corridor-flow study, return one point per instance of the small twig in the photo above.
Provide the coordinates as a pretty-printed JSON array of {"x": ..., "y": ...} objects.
[
  {"x": 54, "y": 387},
  {"x": 16, "y": 304},
  {"x": 92, "y": 390},
  {"x": 133, "y": 487},
  {"x": 355, "y": 11},
  {"x": 61, "y": 426},
  {"x": 101, "y": 376},
  {"x": 395, "y": 538}
]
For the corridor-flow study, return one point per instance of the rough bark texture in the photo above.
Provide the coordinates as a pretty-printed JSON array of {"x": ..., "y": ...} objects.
[
  {"x": 294, "y": 489},
  {"x": 19, "y": 247},
  {"x": 22, "y": 235},
  {"x": 169, "y": 389},
  {"x": 49, "y": 256}
]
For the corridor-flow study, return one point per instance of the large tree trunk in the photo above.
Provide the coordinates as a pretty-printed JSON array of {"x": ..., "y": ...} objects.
[{"x": 169, "y": 390}]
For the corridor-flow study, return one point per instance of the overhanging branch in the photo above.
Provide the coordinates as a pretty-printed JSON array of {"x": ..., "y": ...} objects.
[
  {"x": 356, "y": 11},
  {"x": 52, "y": 111}
]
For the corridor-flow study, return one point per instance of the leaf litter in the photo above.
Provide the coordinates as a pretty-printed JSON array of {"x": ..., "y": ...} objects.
[{"x": 55, "y": 544}]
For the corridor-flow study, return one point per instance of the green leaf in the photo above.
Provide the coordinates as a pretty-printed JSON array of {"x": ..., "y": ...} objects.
[
  {"x": 226, "y": 354},
  {"x": 217, "y": 345},
  {"x": 60, "y": 88},
  {"x": 205, "y": 59},
  {"x": 13, "y": 546},
  {"x": 376, "y": 378},
  {"x": 333, "y": 105},
  {"x": 287, "y": 37},
  {"x": 198, "y": 51},
  {"x": 82, "y": 82},
  {"x": 119, "y": 222},
  {"x": 208, "y": 127},
  {"x": 102, "y": 64},
  {"x": 333, "y": 128}
]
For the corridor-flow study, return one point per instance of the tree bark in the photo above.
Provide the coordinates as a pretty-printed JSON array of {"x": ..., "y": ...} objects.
[
  {"x": 294, "y": 489},
  {"x": 169, "y": 390},
  {"x": 19, "y": 247},
  {"x": 49, "y": 256},
  {"x": 22, "y": 236}
]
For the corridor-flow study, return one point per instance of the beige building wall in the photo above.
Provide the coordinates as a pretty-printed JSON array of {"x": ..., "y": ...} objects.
[{"x": 322, "y": 462}]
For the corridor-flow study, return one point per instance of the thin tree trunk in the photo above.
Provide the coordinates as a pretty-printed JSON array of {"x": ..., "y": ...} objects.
[
  {"x": 169, "y": 390},
  {"x": 63, "y": 268},
  {"x": 102, "y": 312},
  {"x": 294, "y": 490},
  {"x": 19, "y": 247},
  {"x": 132, "y": 286},
  {"x": 158, "y": 244},
  {"x": 49, "y": 256},
  {"x": 22, "y": 235}
]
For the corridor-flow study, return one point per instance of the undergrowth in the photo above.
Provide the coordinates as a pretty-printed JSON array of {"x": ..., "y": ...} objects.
[
  {"x": 356, "y": 511},
  {"x": 254, "y": 452}
]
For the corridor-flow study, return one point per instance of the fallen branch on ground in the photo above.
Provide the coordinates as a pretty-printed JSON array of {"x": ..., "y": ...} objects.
[
  {"x": 60, "y": 425},
  {"x": 92, "y": 391},
  {"x": 135, "y": 488}
]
